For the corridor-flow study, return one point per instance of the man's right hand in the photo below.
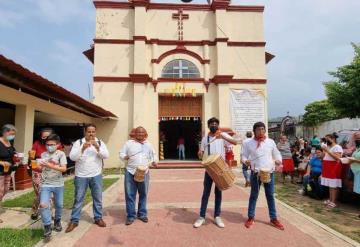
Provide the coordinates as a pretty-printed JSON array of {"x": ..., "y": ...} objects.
[
  {"x": 85, "y": 146},
  {"x": 126, "y": 157},
  {"x": 248, "y": 163},
  {"x": 200, "y": 154}
]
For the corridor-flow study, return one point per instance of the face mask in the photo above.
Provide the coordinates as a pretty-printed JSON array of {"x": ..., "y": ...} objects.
[
  {"x": 51, "y": 149},
  {"x": 213, "y": 129},
  {"x": 42, "y": 141},
  {"x": 357, "y": 143},
  {"x": 10, "y": 138},
  {"x": 328, "y": 142}
]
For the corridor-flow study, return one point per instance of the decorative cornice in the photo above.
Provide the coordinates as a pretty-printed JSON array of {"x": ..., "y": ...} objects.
[
  {"x": 217, "y": 4},
  {"x": 220, "y": 4},
  {"x": 221, "y": 79},
  {"x": 145, "y": 78},
  {"x": 180, "y": 50},
  {"x": 181, "y": 42},
  {"x": 140, "y": 78}
]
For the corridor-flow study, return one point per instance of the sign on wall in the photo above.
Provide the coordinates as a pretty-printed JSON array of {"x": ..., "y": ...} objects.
[{"x": 247, "y": 107}]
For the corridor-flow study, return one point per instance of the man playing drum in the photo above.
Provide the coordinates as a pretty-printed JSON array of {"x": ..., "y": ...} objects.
[
  {"x": 138, "y": 153},
  {"x": 212, "y": 143},
  {"x": 260, "y": 153}
]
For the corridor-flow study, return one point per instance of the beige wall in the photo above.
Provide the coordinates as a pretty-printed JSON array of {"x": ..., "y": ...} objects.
[{"x": 136, "y": 103}]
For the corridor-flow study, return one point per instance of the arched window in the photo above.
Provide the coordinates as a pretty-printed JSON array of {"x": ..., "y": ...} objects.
[{"x": 180, "y": 68}]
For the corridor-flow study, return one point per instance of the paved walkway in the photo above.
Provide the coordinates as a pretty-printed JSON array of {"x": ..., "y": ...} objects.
[{"x": 174, "y": 201}]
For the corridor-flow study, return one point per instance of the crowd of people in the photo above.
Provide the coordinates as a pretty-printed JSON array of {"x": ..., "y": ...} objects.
[{"x": 317, "y": 164}]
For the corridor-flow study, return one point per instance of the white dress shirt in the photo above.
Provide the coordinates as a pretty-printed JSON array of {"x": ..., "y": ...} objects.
[
  {"x": 140, "y": 154},
  {"x": 261, "y": 157},
  {"x": 216, "y": 146},
  {"x": 90, "y": 162}
]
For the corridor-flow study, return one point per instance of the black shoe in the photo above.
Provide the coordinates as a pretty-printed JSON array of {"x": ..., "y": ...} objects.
[
  {"x": 144, "y": 219},
  {"x": 47, "y": 232},
  {"x": 57, "y": 225},
  {"x": 129, "y": 222},
  {"x": 34, "y": 216}
]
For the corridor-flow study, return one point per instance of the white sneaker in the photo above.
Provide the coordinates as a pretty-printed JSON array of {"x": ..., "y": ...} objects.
[
  {"x": 219, "y": 222},
  {"x": 199, "y": 222}
]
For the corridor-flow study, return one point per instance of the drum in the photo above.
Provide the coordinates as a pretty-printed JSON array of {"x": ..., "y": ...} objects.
[
  {"x": 140, "y": 173},
  {"x": 265, "y": 176},
  {"x": 219, "y": 171}
]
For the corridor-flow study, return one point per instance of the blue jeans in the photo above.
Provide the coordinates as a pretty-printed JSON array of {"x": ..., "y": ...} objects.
[
  {"x": 315, "y": 179},
  {"x": 45, "y": 205},
  {"x": 269, "y": 192},
  {"x": 246, "y": 172},
  {"x": 81, "y": 185},
  {"x": 205, "y": 197},
  {"x": 131, "y": 189}
]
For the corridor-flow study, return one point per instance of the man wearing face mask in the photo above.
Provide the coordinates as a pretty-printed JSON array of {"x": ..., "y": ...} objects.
[
  {"x": 212, "y": 143},
  {"x": 37, "y": 150},
  {"x": 7, "y": 152}
]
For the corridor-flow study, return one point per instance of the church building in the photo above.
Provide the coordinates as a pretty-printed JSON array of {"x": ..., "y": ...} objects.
[{"x": 170, "y": 67}]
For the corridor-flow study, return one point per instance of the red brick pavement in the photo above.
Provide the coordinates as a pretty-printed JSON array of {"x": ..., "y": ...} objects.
[{"x": 173, "y": 226}]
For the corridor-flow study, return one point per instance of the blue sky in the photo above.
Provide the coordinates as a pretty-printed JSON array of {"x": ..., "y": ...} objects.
[{"x": 308, "y": 37}]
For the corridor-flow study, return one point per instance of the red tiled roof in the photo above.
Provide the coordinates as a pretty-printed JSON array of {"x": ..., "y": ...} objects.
[{"x": 16, "y": 76}]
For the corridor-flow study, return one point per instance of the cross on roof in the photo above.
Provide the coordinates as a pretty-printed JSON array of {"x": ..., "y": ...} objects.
[{"x": 180, "y": 16}]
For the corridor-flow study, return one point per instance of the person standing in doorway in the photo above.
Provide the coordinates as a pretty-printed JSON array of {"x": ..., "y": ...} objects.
[
  {"x": 88, "y": 154},
  {"x": 181, "y": 147},
  {"x": 213, "y": 143}
]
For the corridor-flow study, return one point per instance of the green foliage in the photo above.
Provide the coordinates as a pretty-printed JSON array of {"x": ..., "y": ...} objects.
[
  {"x": 343, "y": 92},
  {"x": 318, "y": 112}
]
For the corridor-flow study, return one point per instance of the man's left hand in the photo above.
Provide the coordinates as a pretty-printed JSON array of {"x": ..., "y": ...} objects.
[{"x": 278, "y": 162}]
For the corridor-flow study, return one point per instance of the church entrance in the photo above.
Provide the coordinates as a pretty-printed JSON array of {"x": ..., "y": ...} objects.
[{"x": 179, "y": 127}]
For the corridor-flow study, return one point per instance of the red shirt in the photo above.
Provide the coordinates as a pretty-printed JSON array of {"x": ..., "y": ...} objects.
[
  {"x": 39, "y": 148},
  {"x": 181, "y": 141}
]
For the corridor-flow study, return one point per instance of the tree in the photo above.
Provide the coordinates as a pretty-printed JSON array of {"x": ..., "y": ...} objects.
[
  {"x": 318, "y": 112},
  {"x": 344, "y": 91}
]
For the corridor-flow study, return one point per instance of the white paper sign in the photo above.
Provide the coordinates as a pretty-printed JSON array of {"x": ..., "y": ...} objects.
[{"x": 247, "y": 107}]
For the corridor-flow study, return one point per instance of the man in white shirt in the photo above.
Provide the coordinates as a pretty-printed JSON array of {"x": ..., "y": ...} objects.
[
  {"x": 88, "y": 154},
  {"x": 137, "y": 152},
  {"x": 212, "y": 143},
  {"x": 259, "y": 153}
]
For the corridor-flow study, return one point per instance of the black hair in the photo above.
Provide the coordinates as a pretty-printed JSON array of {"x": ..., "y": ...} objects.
[
  {"x": 88, "y": 126},
  {"x": 318, "y": 148},
  {"x": 53, "y": 137},
  {"x": 213, "y": 120},
  {"x": 46, "y": 129},
  {"x": 249, "y": 134},
  {"x": 307, "y": 150},
  {"x": 258, "y": 125},
  {"x": 333, "y": 136}
]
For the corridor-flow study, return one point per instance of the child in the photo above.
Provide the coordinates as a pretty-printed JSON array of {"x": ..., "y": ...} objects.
[{"x": 53, "y": 164}]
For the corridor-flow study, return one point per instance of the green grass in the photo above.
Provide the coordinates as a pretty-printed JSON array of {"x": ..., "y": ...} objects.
[
  {"x": 26, "y": 200},
  {"x": 23, "y": 238},
  {"x": 113, "y": 171}
]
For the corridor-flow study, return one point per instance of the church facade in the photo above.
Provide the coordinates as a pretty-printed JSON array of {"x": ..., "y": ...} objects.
[{"x": 170, "y": 67}]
